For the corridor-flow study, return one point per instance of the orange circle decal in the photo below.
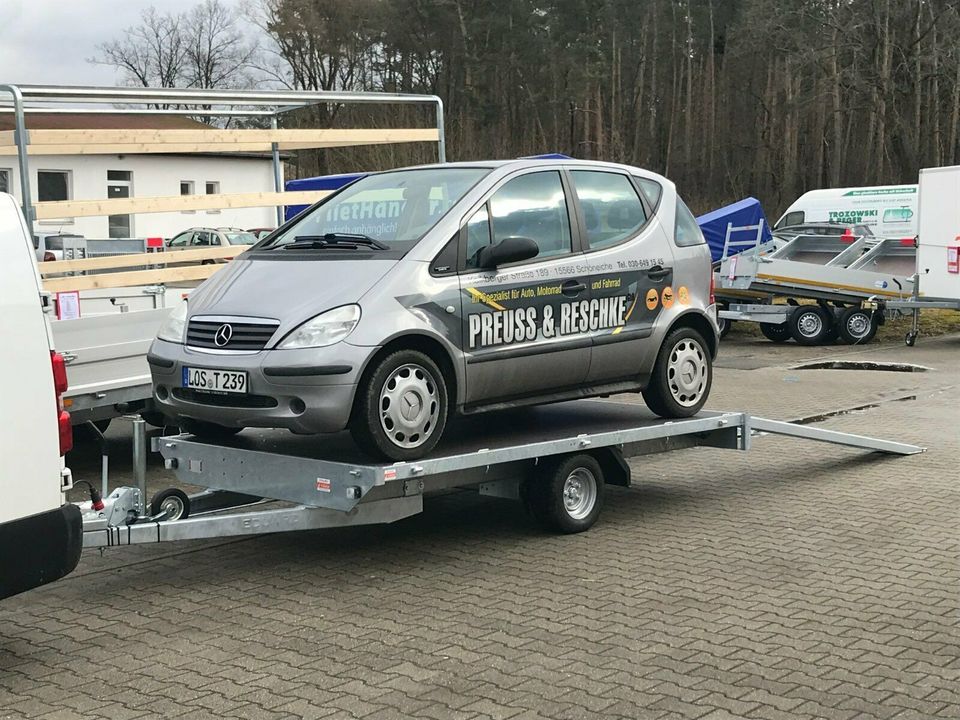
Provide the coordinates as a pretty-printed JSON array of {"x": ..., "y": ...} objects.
[
  {"x": 652, "y": 299},
  {"x": 683, "y": 295},
  {"x": 667, "y": 297}
]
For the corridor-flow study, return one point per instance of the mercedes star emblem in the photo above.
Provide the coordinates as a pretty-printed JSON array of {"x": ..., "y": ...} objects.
[{"x": 222, "y": 336}]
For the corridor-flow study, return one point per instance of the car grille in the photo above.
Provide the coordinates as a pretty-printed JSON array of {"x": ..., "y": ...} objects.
[
  {"x": 244, "y": 334},
  {"x": 237, "y": 401}
]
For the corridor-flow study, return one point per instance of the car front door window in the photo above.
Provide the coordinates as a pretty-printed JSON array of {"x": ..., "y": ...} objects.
[
  {"x": 181, "y": 240},
  {"x": 533, "y": 206}
]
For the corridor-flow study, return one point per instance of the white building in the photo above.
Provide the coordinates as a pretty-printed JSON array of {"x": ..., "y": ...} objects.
[{"x": 96, "y": 177}]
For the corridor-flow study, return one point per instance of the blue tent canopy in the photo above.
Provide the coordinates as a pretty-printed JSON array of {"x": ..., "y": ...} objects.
[{"x": 740, "y": 214}]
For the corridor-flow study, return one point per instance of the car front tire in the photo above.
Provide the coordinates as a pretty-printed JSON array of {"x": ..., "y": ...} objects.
[
  {"x": 682, "y": 375},
  {"x": 401, "y": 407}
]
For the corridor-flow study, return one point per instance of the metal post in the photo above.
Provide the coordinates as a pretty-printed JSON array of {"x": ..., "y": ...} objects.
[
  {"x": 277, "y": 170},
  {"x": 104, "y": 474},
  {"x": 140, "y": 460},
  {"x": 22, "y": 139},
  {"x": 441, "y": 136}
]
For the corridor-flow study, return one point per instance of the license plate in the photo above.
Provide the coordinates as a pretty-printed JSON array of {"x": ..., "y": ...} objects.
[{"x": 213, "y": 380}]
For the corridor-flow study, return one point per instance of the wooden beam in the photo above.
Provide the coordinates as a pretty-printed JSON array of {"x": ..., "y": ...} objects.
[
  {"x": 132, "y": 278},
  {"x": 178, "y": 148},
  {"x": 175, "y": 203},
  {"x": 217, "y": 139},
  {"x": 168, "y": 257}
]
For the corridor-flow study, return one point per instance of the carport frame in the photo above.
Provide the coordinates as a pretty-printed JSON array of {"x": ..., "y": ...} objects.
[{"x": 216, "y": 103}]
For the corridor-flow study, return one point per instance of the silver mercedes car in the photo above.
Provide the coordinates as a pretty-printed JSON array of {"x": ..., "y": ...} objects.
[{"x": 413, "y": 295}]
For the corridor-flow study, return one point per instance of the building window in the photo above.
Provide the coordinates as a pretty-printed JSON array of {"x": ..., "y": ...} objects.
[
  {"x": 53, "y": 185},
  {"x": 213, "y": 188},
  {"x": 4, "y": 180},
  {"x": 186, "y": 188},
  {"x": 119, "y": 185}
]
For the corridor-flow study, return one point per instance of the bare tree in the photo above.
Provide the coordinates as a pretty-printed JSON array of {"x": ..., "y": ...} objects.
[{"x": 151, "y": 54}]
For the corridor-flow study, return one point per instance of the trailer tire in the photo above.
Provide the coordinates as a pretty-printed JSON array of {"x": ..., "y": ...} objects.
[
  {"x": 682, "y": 375},
  {"x": 810, "y": 325},
  {"x": 172, "y": 500},
  {"x": 376, "y": 413},
  {"x": 857, "y": 326},
  {"x": 207, "y": 430},
  {"x": 778, "y": 333},
  {"x": 566, "y": 496}
]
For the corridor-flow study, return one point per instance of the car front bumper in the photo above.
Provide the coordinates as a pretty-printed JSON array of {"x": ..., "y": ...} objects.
[{"x": 306, "y": 391}]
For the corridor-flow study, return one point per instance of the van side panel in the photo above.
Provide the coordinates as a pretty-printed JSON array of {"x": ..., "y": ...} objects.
[{"x": 29, "y": 443}]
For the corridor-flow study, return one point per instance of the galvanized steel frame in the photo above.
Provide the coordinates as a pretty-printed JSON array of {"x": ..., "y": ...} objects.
[{"x": 226, "y": 103}]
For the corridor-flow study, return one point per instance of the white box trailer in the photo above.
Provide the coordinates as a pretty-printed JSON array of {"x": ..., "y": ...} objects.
[
  {"x": 938, "y": 264},
  {"x": 937, "y": 280}
]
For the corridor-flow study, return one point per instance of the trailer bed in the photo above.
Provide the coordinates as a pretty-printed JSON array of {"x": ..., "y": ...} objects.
[{"x": 332, "y": 484}]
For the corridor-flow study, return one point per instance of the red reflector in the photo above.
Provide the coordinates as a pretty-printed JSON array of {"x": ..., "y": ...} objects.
[
  {"x": 66, "y": 432},
  {"x": 906, "y": 242},
  {"x": 49, "y": 256},
  {"x": 59, "y": 373},
  {"x": 848, "y": 236},
  {"x": 155, "y": 242}
]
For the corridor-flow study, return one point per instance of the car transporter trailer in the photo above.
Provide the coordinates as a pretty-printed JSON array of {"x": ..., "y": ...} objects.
[{"x": 555, "y": 457}]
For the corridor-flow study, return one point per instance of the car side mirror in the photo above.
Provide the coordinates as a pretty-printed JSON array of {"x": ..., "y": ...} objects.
[{"x": 508, "y": 250}]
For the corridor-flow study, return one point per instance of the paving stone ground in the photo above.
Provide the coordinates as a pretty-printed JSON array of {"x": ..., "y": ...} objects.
[{"x": 795, "y": 581}]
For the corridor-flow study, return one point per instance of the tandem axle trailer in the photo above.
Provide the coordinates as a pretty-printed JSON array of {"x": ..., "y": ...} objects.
[{"x": 556, "y": 458}]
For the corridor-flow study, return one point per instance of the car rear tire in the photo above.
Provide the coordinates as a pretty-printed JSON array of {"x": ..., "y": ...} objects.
[
  {"x": 207, "y": 430},
  {"x": 857, "y": 326},
  {"x": 775, "y": 333},
  {"x": 566, "y": 496},
  {"x": 682, "y": 375},
  {"x": 811, "y": 325},
  {"x": 401, "y": 407}
]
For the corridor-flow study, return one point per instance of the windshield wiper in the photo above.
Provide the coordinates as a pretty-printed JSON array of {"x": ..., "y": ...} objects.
[{"x": 334, "y": 240}]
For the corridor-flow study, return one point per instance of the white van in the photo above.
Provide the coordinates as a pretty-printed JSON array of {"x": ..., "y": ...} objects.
[
  {"x": 41, "y": 535},
  {"x": 888, "y": 210}
]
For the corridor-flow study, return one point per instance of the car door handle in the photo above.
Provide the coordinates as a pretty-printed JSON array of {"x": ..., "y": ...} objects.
[
  {"x": 572, "y": 287},
  {"x": 657, "y": 272}
]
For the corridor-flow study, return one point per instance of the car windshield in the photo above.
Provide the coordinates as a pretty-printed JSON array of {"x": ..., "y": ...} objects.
[
  {"x": 394, "y": 209},
  {"x": 240, "y": 238}
]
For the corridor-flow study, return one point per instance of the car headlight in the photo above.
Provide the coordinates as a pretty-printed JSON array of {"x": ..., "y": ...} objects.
[
  {"x": 325, "y": 329},
  {"x": 174, "y": 326}
]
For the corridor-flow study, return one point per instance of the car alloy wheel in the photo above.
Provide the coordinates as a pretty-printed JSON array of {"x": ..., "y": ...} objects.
[{"x": 409, "y": 405}]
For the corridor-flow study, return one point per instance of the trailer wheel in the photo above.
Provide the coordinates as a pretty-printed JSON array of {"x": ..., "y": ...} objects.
[
  {"x": 568, "y": 496},
  {"x": 778, "y": 333},
  {"x": 810, "y": 325},
  {"x": 723, "y": 324},
  {"x": 857, "y": 326},
  {"x": 681, "y": 378},
  {"x": 910, "y": 339},
  {"x": 174, "y": 502}
]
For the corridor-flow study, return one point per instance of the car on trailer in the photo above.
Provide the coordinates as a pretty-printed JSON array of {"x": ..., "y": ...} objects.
[{"x": 414, "y": 294}]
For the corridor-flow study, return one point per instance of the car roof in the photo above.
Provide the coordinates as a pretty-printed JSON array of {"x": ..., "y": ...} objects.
[{"x": 521, "y": 163}]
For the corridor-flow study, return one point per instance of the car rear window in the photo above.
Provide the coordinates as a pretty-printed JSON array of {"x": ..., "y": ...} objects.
[{"x": 686, "y": 232}]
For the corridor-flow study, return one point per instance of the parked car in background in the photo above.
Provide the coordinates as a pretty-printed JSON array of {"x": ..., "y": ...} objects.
[
  {"x": 261, "y": 233},
  {"x": 49, "y": 246},
  {"x": 201, "y": 237},
  {"x": 415, "y": 294}
]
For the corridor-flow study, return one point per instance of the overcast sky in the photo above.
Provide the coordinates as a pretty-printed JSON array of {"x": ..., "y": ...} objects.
[{"x": 48, "y": 41}]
